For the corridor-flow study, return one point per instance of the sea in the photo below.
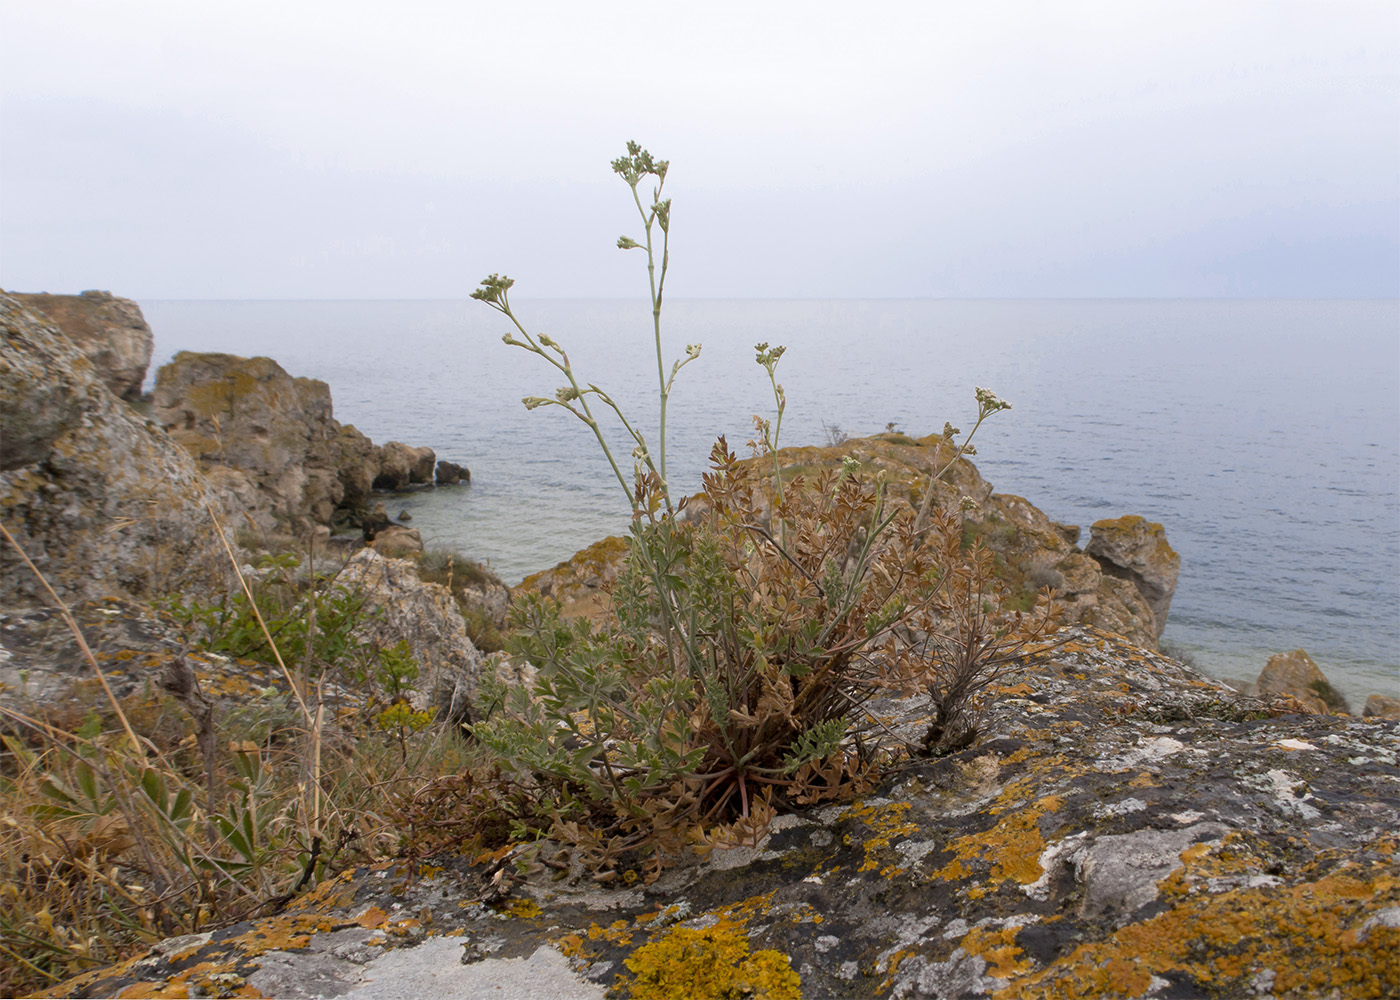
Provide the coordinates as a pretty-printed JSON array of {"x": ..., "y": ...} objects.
[{"x": 1264, "y": 435}]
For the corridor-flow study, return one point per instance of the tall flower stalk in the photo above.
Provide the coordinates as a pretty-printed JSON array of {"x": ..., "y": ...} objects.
[{"x": 494, "y": 291}]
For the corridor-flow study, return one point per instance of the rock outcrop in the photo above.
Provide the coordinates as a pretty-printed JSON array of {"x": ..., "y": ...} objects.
[
  {"x": 1122, "y": 582},
  {"x": 402, "y": 466},
  {"x": 401, "y": 607},
  {"x": 110, "y": 331},
  {"x": 1379, "y": 706},
  {"x": 1297, "y": 676},
  {"x": 100, "y": 499},
  {"x": 450, "y": 474},
  {"x": 249, "y": 415},
  {"x": 1136, "y": 549},
  {"x": 1127, "y": 828}
]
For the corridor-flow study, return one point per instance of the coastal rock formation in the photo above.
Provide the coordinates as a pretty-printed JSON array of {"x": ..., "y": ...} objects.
[
  {"x": 1297, "y": 676},
  {"x": 1378, "y": 706},
  {"x": 397, "y": 542},
  {"x": 1114, "y": 590},
  {"x": 110, "y": 331},
  {"x": 1136, "y": 549},
  {"x": 249, "y": 415},
  {"x": 100, "y": 499},
  {"x": 401, "y": 607},
  {"x": 402, "y": 466},
  {"x": 450, "y": 474},
  {"x": 1128, "y": 828}
]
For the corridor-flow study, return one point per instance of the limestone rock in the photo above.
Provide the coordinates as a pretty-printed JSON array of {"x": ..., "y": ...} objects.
[
  {"x": 397, "y": 542},
  {"x": 356, "y": 460},
  {"x": 1296, "y": 675},
  {"x": 248, "y": 414},
  {"x": 400, "y": 606},
  {"x": 110, "y": 331},
  {"x": 1035, "y": 551},
  {"x": 402, "y": 466},
  {"x": 1087, "y": 848},
  {"x": 582, "y": 583},
  {"x": 1378, "y": 706},
  {"x": 100, "y": 499},
  {"x": 450, "y": 474},
  {"x": 1136, "y": 549}
]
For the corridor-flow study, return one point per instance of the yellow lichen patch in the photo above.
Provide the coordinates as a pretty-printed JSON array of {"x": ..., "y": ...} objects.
[
  {"x": 371, "y": 918},
  {"x": 1308, "y": 934},
  {"x": 571, "y": 946},
  {"x": 887, "y": 822},
  {"x": 1013, "y": 847},
  {"x": 619, "y": 932},
  {"x": 281, "y": 933},
  {"x": 998, "y": 948},
  {"x": 525, "y": 909},
  {"x": 710, "y": 963}
]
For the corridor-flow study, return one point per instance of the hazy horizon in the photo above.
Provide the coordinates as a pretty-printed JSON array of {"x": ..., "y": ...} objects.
[{"x": 261, "y": 151}]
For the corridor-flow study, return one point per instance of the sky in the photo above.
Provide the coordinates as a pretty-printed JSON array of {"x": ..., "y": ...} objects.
[{"x": 166, "y": 149}]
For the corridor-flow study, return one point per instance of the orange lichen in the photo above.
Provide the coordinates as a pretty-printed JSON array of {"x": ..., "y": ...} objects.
[
  {"x": 1013, "y": 847},
  {"x": 998, "y": 948},
  {"x": 888, "y": 822},
  {"x": 525, "y": 909},
  {"x": 1307, "y": 934},
  {"x": 710, "y": 963}
]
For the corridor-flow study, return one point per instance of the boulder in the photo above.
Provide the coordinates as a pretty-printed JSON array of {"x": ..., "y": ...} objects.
[
  {"x": 402, "y": 466},
  {"x": 374, "y": 522},
  {"x": 102, "y": 500},
  {"x": 1378, "y": 706},
  {"x": 397, "y": 542},
  {"x": 1090, "y": 847},
  {"x": 110, "y": 331},
  {"x": 400, "y": 606},
  {"x": 450, "y": 474},
  {"x": 1136, "y": 549},
  {"x": 1295, "y": 675}
]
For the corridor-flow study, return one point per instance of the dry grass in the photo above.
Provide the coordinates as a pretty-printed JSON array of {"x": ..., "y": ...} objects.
[{"x": 123, "y": 828}]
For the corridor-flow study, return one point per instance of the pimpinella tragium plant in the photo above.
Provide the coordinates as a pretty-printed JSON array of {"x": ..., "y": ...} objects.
[{"x": 748, "y": 629}]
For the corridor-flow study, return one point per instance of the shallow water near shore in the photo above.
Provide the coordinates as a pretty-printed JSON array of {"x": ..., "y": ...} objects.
[{"x": 1265, "y": 435}]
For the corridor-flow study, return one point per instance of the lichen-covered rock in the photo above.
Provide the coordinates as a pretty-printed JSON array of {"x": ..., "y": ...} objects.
[
  {"x": 401, "y": 607},
  {"x": 1125, "y": 828},
  {"x": 250, "y": 415},
  {"x": 1136, "y": 549},
  {"x": 1035, "y": 551},
  {"x": 1378, "y": 706},
  {"x": 397, "y": 542},
  {"x": 100, "y": 499},
  {"x": 1296, "y": 675},
  {"x": 582, "y": 583},
  {"x": 110, "y": 331}
]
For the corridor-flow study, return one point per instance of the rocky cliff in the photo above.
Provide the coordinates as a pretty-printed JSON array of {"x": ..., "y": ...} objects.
[
  {"x": 272, "y": 440},
  {"x": 1128, "y": 828},
  {"x": 101, "y": 500},
  {"x": 110, "y": 331}
]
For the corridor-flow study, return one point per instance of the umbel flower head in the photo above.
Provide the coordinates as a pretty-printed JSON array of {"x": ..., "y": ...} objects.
[
  {"x": 493, "y": 289},
  {"x": 638, "y": 163}
]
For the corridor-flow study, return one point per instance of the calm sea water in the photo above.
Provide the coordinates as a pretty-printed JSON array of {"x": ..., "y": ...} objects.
[{"x": 1265, "y": 435}]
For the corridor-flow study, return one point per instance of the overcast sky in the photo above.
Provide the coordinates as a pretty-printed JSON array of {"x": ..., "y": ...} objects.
[{"x": 308, "y": 149}]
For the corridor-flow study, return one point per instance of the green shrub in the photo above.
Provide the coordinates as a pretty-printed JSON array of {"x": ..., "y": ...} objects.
[{"x": 746, "y": 632}]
